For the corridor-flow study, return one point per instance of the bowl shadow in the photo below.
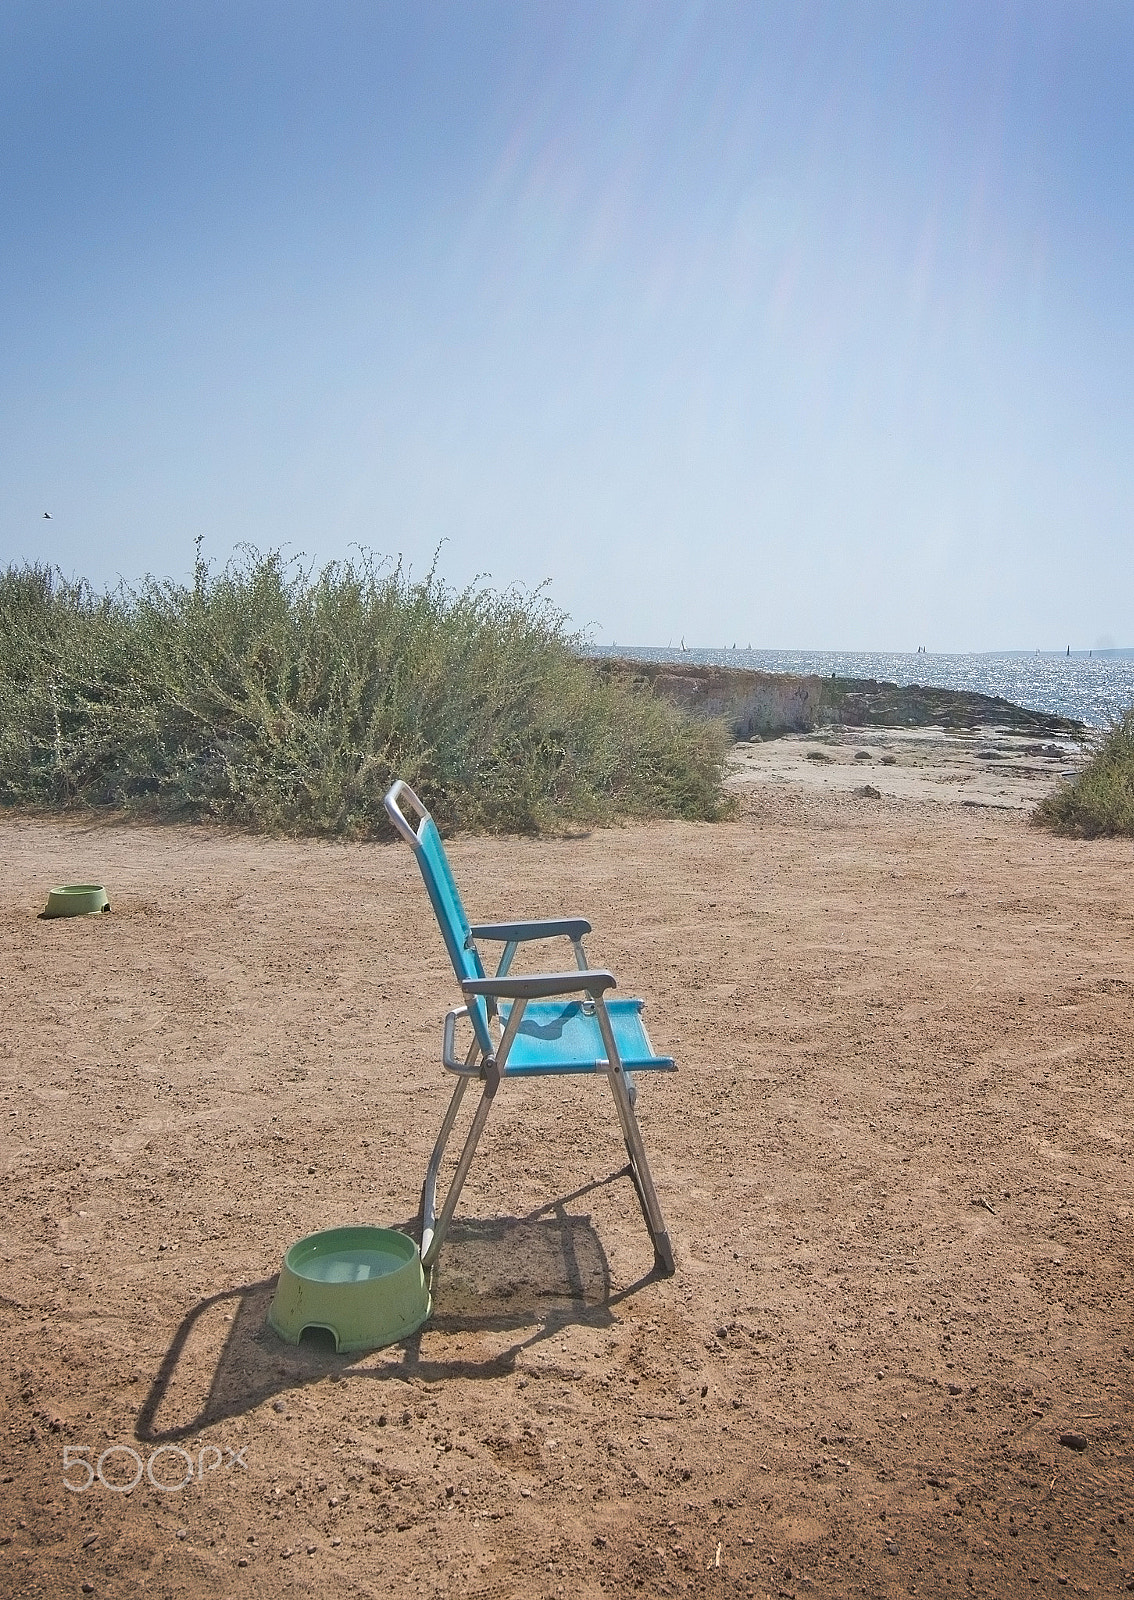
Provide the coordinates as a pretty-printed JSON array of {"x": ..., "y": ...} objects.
[{"x": 530, "y": 1276}]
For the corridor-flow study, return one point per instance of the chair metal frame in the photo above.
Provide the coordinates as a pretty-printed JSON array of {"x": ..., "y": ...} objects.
[{"x": 495, "y": 1008}]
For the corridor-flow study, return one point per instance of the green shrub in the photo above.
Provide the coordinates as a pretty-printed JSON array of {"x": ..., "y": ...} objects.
[
  {"x": 283, "y": 699},
  {"x": 1100, "y": 798}
]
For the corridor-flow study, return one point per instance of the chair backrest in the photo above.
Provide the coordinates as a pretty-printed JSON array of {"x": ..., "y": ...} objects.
[{"x": 425, "y": 842}]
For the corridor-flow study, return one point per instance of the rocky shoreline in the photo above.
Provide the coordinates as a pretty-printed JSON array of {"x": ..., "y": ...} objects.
[{"x": 767, "y": 704}]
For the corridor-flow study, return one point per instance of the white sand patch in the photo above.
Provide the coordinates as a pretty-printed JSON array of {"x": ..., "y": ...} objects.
[{"x": 986, "y": 766}]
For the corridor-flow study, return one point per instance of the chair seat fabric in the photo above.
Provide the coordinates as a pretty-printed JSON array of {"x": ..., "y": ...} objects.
[{"x": 558, "y": 1036}]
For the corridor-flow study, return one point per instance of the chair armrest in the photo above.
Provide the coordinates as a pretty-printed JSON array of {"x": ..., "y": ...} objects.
[
  {"x": 509, "y": 932},
  {"x": 541, "y": 985}
]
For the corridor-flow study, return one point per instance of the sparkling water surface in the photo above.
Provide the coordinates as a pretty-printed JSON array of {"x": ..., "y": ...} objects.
[{"x": 1094, "y": 689}]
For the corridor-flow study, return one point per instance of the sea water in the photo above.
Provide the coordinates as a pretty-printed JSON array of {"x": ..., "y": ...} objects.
[{"x": 1094, "y": 688}]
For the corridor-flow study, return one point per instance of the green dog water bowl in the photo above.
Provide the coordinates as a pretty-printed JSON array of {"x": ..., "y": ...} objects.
[
  {"x": 76, "y": 900},
  {"x": 364, "y": 1286}
]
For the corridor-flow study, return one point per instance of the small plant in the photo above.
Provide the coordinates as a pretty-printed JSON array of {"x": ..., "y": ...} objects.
[
  {"x": 1099, "y": 799},
  {"x": 287, "y": 699}
]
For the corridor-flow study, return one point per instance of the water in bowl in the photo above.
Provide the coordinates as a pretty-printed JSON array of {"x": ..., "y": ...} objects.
[{"x": 352, "y": 1265}]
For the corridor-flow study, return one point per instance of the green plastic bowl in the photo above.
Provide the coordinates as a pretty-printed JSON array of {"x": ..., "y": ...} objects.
[
  {"x": 76, "y": 900},
  {"x": 364, "y": 1286}
]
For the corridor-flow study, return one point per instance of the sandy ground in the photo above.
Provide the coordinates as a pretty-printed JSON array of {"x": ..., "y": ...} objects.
[
  {"x": 894, "y": 1165},
  {"x": 992, "y": 767}
]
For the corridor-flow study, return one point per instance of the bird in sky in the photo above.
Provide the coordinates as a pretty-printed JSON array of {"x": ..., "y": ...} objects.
[{"x": 48, "y": 515}]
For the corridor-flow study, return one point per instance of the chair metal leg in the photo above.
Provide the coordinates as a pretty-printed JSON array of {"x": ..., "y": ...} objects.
[
  {"x": 640, "y": 1173},
  {"x": 434, "y": 1226},
  {"x": 635, "y": 1149},
  {"x": 431, "y": 1244},
  {"x": 429, "y": 1188}
]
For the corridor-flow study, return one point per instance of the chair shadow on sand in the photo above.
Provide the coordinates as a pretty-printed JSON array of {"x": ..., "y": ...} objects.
[{"x": 532, "y": 1276}]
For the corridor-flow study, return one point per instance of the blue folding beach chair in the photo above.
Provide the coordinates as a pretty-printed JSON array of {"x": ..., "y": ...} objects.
[{"x": 526, "y": 1027}]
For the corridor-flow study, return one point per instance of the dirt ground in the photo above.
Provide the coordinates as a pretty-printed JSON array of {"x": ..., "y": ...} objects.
[{"x": 894, "y": 1164}]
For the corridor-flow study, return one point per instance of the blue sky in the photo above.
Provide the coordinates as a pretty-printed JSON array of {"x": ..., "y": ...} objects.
[{"x": 804, "y": 325}]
